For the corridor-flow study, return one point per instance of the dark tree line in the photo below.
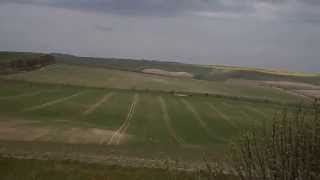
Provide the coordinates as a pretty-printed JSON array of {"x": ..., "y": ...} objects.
[{"x": 26, "y": 64}]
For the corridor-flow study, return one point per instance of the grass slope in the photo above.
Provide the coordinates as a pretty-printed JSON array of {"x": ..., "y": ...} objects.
[
  {"x": 191, "y": 118},
  {"x": 17, "y": 169},
  {"x": 267, "y": 71}
]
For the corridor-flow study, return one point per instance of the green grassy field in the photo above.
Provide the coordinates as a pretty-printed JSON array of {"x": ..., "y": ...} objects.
[{"x": 122, "y": 117}]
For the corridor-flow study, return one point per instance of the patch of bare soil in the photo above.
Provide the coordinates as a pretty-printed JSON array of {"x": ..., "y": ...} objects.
[
  {"x": 83, "y": 135},
  {"x": 27, "y": 131},
  {"x": 181, "y": 95},
  {"x": 168, "y": 73}
]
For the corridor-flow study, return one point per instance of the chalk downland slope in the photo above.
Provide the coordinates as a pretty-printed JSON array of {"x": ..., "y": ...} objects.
[
  {"x": 111, "y": 78},
  {"x": 201, "y": 72}
]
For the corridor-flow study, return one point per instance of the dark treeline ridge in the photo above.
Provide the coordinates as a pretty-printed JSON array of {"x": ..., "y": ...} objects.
[{"x": 16, "y": 62}]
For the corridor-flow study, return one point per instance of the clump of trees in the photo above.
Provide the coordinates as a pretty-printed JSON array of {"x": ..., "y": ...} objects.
[
  {"x": 26, "y": 64},
  {"x": 290, "y": 150}
]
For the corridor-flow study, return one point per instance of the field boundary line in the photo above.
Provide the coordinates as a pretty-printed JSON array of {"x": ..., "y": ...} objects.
[
  {"x": 96, "y": 105},
  {"x": 221, "y": 114},
  {"x": 50, "y": 103},
  {"x": 118, "y": 135},
  {"x": 167, "y": 120}
]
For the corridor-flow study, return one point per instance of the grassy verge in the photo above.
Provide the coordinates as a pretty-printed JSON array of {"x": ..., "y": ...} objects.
[{"x": 28, "y": 169}]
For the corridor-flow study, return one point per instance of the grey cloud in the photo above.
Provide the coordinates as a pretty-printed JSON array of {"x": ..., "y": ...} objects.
[
  {"x": 297, "y": 11},
  {"x": 103, "y": 28},
  {"x": 145, "y": 7},
  {"x": 192, "y": 39},
  {"x": 311, "y": 2},
  {"x": 150, "y": 7},
  {"x": 176, "y": 7}
]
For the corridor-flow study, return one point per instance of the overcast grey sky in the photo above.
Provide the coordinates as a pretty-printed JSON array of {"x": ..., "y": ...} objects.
[{"x": 282, "y": 34}]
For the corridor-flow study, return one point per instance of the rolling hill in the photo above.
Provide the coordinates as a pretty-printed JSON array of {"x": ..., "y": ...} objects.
[
  {"x": 111, "y": 78},
  {"x": 201, "y": 72},
  {"x": 109, "y": 110}
]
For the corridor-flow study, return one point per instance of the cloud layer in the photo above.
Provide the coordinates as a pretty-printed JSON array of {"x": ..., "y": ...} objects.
[
  {"x": 268, "y": 33},
  {"x": 308, "y": 10}
]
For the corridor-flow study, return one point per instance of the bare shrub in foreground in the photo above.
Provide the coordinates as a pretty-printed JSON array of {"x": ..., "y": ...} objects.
[{"x": 290, "y": 150}]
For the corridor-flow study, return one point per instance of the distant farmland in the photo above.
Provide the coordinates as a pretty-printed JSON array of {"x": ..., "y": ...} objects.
[{"x": 108, "y": 78}]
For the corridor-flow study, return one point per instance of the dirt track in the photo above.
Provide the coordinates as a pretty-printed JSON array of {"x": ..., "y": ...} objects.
[
  {"x": 93, "y": 107},
  {"x": 53, "y": 102},
  {"x": 117, "y": 137}
]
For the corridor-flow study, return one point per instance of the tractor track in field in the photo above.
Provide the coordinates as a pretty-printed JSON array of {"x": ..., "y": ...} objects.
[
  {"x": 226, "y": 104},
  {"x": 255, "y": 110},
  {"x": 167, "y": 121},
  {"x": 118, "y": 135},
  {"x": 196, "y": 115},
  {"x": 221, "y": 114},
  {"x": 247, "y": 116},
  {"x": 95, "y": 106},
  {"x": 50, "y": 103},
  {"x": 244, "y": 114}
]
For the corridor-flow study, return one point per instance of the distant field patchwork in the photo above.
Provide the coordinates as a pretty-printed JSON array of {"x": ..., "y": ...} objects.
[{"x": 108, "y": 78}]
